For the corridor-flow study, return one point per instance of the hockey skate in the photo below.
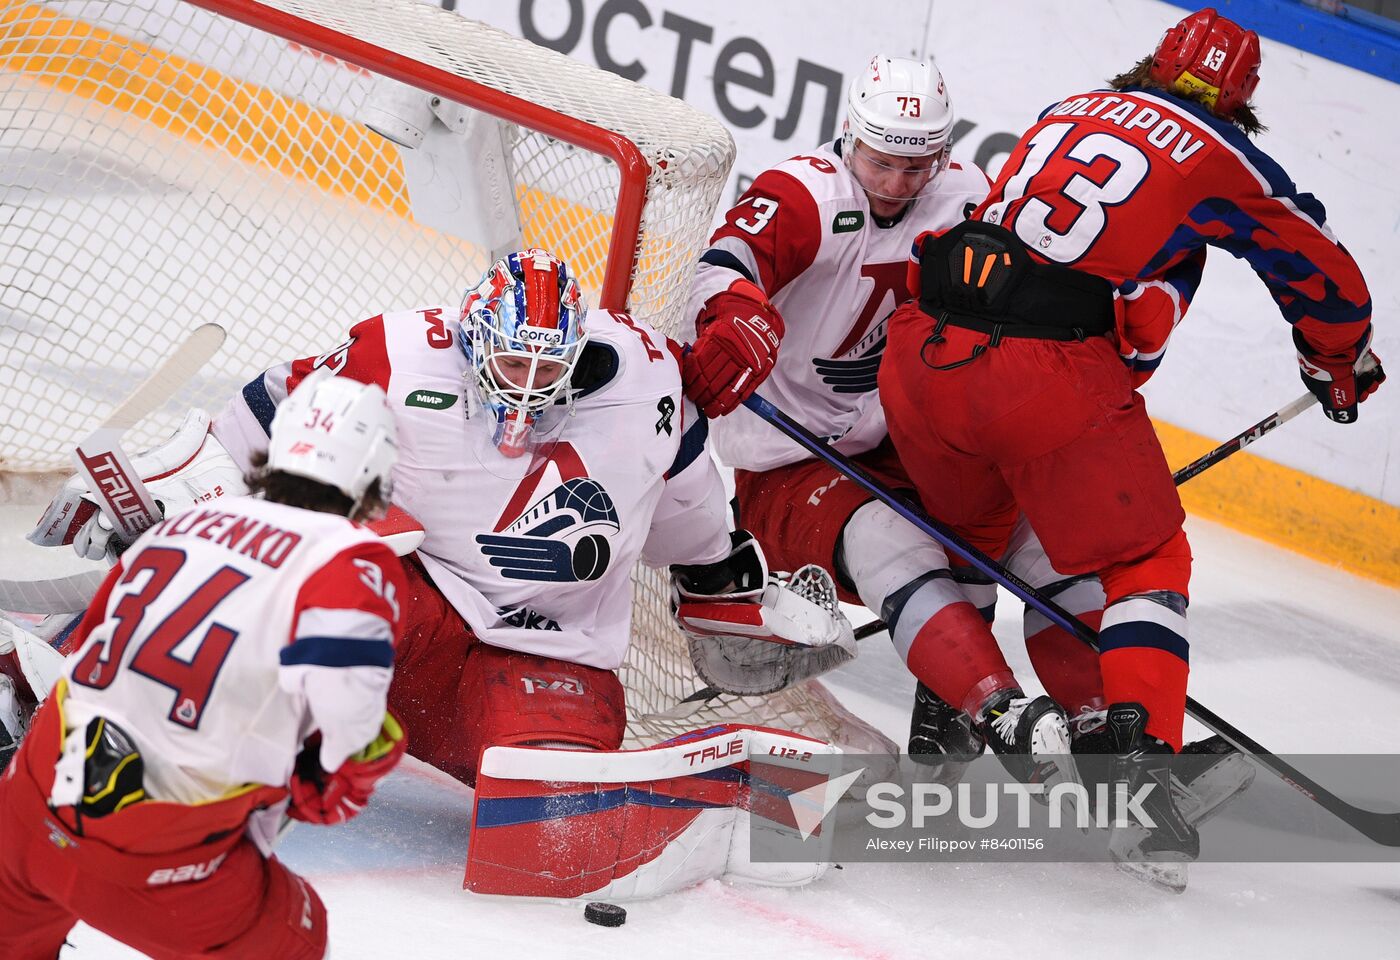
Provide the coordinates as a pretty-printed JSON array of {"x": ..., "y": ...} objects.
[
  {"x": 941, "y": 737},
  {"x": 1159, "y": 854},
  {"x": 1203, "y": 788},
  {"x": 1031, "y": 736}
]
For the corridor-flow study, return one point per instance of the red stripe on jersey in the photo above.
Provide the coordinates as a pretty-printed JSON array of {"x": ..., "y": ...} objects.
[
  {"x": 366, "y": 577},
  {"x": 364, "y": 357},
  {"x": 780, "y": 225},
  {"x": 565, "y": 459}
]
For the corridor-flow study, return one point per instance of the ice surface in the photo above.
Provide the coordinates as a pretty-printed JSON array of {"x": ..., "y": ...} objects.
[{"x": 1300, "y": 656}]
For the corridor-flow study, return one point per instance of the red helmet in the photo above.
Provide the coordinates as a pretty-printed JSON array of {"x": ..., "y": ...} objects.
[{"x": 1209, "y": 54}]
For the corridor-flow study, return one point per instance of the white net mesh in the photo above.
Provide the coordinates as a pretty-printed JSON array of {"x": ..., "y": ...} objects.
[{"x": 162, "y": 165}]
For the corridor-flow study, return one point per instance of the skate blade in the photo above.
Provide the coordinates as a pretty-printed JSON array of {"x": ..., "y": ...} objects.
[
  {"x": 1216, "y": 789},
  {"x": 1167, "y": 876}
]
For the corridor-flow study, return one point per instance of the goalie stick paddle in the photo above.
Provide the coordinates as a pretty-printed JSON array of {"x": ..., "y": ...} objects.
[
  {"x": 119, "y": 490},
  {"x": 1383, "y": 828},
  {"x": 102, "y": 462},
  {"x": 61, "y": 595}
]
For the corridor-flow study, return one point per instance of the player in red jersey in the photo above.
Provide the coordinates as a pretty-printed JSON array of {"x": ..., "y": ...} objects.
[
  {"x": 1038, "y": 317},
  {"x": 794, "y": 293},
  {"x": 233, "y": 669}
]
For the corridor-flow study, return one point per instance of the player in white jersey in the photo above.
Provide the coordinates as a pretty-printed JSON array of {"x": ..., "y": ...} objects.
[
  {"x": 813, "y": 257},
  {"x": 233, "y": 668},
  {"x": 544, "y": 450}
]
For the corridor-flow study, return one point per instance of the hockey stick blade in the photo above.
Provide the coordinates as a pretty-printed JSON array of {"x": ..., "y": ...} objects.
[{"x": 1383, "y": 828}]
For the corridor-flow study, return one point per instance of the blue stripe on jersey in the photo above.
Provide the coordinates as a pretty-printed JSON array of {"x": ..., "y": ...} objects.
[
  {"x": 1146, "y": 366},
  {"x": 1143, "y": 633},
  {"x": 692, "y": 445},
  {"x": 338, "y": 652},
  {"x": 721, "y": 258},
  {"x": 259, "y": 401},
  {"x": 1282, "y": 270}
]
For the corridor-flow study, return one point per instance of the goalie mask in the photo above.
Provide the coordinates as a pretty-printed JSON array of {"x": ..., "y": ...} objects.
[
  {"x": 522, "y": 333},
  {"x": 898, "y": 122}
]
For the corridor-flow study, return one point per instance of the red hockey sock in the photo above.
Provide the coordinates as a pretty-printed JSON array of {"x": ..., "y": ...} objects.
[
  {"x": 1067, "y": 666},
  {"x": 955, "y": 655},
  {"x": 1154, "y": 678}
]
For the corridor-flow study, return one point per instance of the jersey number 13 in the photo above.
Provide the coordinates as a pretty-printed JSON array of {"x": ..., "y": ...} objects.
[{"x": 1093, "y": 198}]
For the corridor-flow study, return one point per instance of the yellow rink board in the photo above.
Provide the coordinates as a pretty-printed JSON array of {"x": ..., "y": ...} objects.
[
  {"x": 1275, "y": 503},
  {"x": 1290, "y": 508}
]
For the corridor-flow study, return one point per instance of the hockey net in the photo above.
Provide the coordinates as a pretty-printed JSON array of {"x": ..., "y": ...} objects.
[{"x": 165, "y": 164}]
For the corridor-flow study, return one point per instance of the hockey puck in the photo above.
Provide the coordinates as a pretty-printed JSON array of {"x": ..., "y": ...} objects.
[{"x": 605, "y": 914}]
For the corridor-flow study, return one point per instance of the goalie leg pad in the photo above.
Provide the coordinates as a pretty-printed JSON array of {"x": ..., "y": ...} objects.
[
  {"x": 511, "y": 698},
  {"x": 641, "y": 823}
]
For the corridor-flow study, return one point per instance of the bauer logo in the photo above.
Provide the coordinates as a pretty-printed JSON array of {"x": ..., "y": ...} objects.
[
  {"x": 430, "y": 399},
  {"x": 848, "y": 221}
]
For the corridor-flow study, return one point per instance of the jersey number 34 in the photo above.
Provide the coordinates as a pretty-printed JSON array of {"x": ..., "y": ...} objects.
[{"x": 191, "y": 676}]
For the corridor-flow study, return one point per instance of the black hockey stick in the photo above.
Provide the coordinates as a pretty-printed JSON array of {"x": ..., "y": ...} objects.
[
  {"x": 1383, "y": 828},
  {"x": 1232, "y": 446},
  {"x": 697, "y": 700},
  {"x": 1241, "y": 440}
]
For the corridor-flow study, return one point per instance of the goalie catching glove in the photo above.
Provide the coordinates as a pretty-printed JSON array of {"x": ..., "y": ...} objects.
[
  {"x": 189, "y": 468},
  {"x": 329, "y": 798},
  {"x": 750, "y": 641}
]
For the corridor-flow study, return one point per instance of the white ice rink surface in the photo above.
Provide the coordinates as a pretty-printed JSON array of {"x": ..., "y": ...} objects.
[{"x": 1298, "y": 655}]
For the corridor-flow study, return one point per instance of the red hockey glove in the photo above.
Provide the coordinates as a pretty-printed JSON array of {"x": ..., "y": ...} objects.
[
  {"x": 1341, "y": 386},
  {"x": 738, "y": 333},
  {"x": 327, "y": 798}
]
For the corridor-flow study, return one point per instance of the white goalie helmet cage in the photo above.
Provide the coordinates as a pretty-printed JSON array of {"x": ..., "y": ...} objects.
[
  {"x": 898, "y": 106},
  {"x": 336, "y": 431}
]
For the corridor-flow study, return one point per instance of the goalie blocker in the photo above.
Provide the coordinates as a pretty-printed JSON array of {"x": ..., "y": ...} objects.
[{"x": 626, "y": 825}]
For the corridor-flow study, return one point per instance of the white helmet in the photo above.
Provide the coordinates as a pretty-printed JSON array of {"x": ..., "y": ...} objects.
[
  {"x": 336, "y": 431},
  {"x": 900, "y": 107}
]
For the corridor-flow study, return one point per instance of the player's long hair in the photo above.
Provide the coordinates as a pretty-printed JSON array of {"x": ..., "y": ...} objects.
[
  {"x": 1139, "y": 76},
  {"x": 294, "y": 491}
]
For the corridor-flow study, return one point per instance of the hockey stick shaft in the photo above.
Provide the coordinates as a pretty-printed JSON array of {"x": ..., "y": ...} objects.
[
  {"x": 1383, "y": 828},
  {"x": 1241, "y": 440},
  {"x": 1235, "y": 444}
]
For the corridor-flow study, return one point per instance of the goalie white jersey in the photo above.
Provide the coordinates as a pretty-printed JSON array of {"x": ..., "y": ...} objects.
[
  {"x": 805, "y": 234},
  {"x": 227, "y": 633},
  {"x": 535, "y": 552}
]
